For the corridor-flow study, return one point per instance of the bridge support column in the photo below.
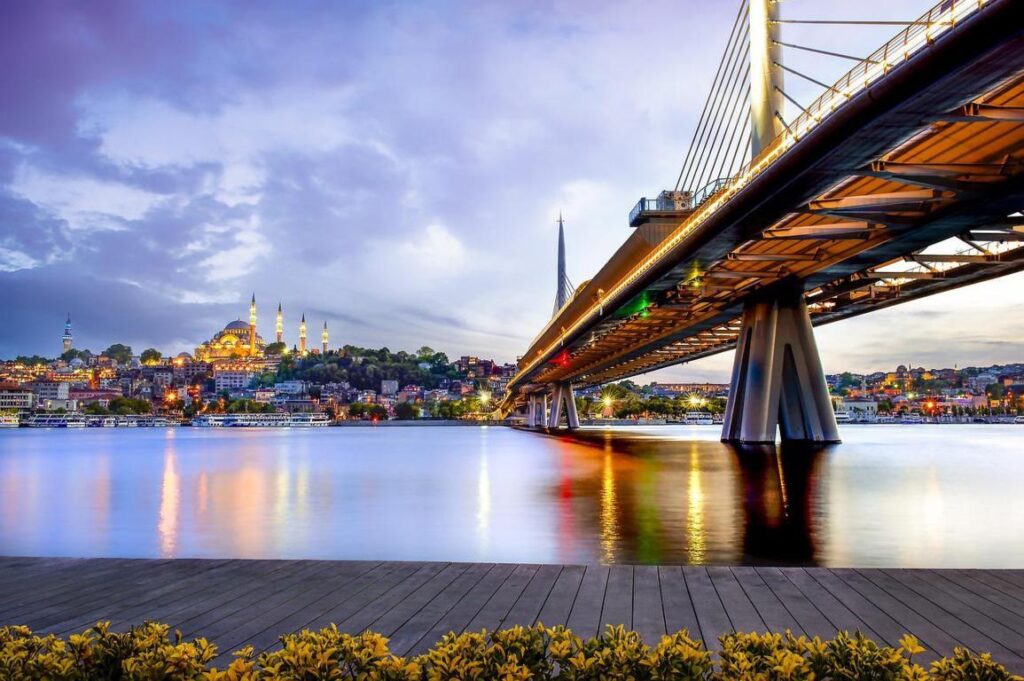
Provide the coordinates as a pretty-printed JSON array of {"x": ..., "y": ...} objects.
[
  {"x": 777, "y": 380},
  {"x": 537, "y": 410},
  {"x": 563, "y": 397},
  {"x": 531, "y": 411}
]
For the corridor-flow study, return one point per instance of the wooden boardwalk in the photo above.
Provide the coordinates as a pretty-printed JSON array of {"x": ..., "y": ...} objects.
[{"x": 252, "y": 602}]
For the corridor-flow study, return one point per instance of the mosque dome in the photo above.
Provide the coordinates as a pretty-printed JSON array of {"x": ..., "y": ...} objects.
[{"x": 238, "y": 324}]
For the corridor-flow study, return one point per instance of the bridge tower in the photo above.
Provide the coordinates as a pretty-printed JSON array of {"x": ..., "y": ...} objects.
[
  {"x": 766, "y": 99},
  {"x": 777, "y": 379},
  {"x": 563, "y": 288}
]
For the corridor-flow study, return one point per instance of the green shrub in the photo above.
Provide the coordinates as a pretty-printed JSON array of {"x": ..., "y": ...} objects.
[{"x": 152, "y": 653}]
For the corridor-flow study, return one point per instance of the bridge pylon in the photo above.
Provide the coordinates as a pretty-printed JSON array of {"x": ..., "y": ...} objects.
[
  {"x": 563, "y": 398},
  {"x": 777, "y": 379}
]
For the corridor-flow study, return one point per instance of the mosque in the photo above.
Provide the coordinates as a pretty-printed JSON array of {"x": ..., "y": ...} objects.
[{"x": 239, "y": 340}]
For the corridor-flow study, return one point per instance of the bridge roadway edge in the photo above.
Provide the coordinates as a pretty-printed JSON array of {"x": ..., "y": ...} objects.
[{"x": 416, "y": 602}]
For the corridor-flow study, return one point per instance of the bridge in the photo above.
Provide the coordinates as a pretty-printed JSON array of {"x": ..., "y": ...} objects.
[{"x": 904, "y": 179}]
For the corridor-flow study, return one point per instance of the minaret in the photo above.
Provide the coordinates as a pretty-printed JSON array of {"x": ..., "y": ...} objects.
[
  {"x": 562, "y": 291},
  {"x": 302, "y": 336},
  {"x": 66, "y": 338},
  {"x": 323, "y": 339},
  {"x": 252, "y": 325},
  {"x": 280, "y": 324}
]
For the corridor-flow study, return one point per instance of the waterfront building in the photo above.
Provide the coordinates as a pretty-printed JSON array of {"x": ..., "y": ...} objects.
[
  {"x": 290, "y": 387},
  {"x": 232, "y": 379},
  {"x": 15, "y": 398},
  {"x": 67, "y": 341},
  {"x": 49, "y": 390}
]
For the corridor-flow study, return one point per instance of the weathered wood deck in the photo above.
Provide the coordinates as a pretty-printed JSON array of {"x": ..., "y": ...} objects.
[{"x": 241, "y": 602}]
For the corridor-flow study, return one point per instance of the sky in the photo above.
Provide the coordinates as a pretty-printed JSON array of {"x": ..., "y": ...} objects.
[{"x": 392, "y": 168}]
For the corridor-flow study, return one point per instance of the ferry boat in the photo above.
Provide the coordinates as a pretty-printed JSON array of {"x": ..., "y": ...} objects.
[
  {"x": 70, "y": 420},
  {"x": 273, "y": 420},
  {"x": 912, "y": 419},
  {"x": 127, "y": 422},
  {"x": 843, "y": 416},
  {"x": 209, "y": 420},
  {"x": 1018, "y": 419},
  {"x": 306, "y": 420},
  {"x": 101, "y": 422},
  {"x": 9, "y": 421},
  {"x": 699, "y": 418},
  {"x": 155, "y": 422}
]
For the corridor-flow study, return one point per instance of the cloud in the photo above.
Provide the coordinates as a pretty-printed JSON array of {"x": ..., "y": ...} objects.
[{"x": 393, "y": 168}]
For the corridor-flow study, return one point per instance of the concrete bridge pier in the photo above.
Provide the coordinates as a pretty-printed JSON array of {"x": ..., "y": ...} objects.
[
  {"x": 563, "y": 398},
  {"x": 777, "y": 379},
  {"x": 537, "y": 410}
]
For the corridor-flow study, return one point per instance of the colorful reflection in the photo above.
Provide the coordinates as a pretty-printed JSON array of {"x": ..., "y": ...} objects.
[{"x": 887, "y": 496}]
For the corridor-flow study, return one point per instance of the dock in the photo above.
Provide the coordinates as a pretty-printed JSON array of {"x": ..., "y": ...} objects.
[{"x": 252, "y": 602}]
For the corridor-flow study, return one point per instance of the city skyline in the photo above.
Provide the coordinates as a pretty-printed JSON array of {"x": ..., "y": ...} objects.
[{"x": 151, "y": 186}]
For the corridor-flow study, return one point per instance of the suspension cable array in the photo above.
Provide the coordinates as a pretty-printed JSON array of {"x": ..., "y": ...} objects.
[
  {"x": 720, "y": 145},
  {"x": 720, "y": 141}
]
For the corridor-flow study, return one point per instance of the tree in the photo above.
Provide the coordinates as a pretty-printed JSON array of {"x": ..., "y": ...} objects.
[
  {"x": 119, "y": 352},
  {"x": 129, "y": 405},
  {"x": 150, "y": 356},
  {"x": 95, "y": 409},
  {"x": 407, "y": 411},
  {"x": 30, "y": 360},
  {"x": 275, "y": 349},
  {"x": 75, "y": 353}
]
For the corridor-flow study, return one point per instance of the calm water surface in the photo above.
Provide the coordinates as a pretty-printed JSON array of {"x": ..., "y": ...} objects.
[{"x": 890, "y": 495}]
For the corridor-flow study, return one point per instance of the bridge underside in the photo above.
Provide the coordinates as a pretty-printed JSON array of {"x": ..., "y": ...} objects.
[{"x": 909, "y": 188}]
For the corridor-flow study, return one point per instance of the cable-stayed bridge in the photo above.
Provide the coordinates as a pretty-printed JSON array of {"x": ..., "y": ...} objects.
[{"x": 905, "y": 178}]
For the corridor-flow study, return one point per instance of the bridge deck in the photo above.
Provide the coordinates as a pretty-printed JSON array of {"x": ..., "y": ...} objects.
[{"x": 240, "y": 602}]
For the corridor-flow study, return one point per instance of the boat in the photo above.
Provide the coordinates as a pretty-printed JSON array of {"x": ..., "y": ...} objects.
[
  {"x": 272, "y": 420},
  {"x": 209, "y": 420},
  {"x": 308, "y": 420},
  {"x": 101, "y": 422},
  {"x": 1018, "y": 419},
  {"x": 699, "y": 418},
  {"x": 911, "y": 418},
  {"x": 843, "y": 416},
  {"x": 69, "y": 420},
  {"x": 9, "y": 421},
  {"x": 155, "y": 422}
]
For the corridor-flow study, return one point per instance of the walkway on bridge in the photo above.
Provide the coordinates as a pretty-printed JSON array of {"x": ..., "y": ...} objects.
[{"x": 251, "y": 602}]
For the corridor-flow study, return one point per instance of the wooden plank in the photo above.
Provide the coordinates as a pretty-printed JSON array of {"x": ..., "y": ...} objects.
[
  {"x": 389, "y": 622},
  {"x": 1004, "y": 608},
  {"x": 73, "y": 587},
  {"x": 742, "y": 613},
  {"x": 417, "y": 626},
  {"x": 528, "y": 606},
  {"x": 675, "y": 601},
  {"x": 359, "y": 619},
  {"x": 770, "y": 608},
  {"x": 996, "y": 579},
  {"x": 380, "y": 577},
  {"x": 648, "y": 612},
  {"x": 563, "y": 594},
  {"x": 201, "y": 614},
  {"x": 904, "y": 620},
  {"x": 498, "y": 606},
  {"x": 459, "y": 617},
  {"x": 160, "y": 602},
  {"x": 836, "y": 610},
  {"x": 957, "y": 629},
  {"x": 812, "y": 621},
  {"x": 585, "y": 616},
  {"x": 969, "y": 608},
  {"x": 273, "y": 614},
  {"x": 618, "y": 598},
  {"x": 711, "y": 614}
]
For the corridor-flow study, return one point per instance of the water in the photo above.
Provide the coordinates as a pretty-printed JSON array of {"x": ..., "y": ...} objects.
[{"x": 889, "y": 496}]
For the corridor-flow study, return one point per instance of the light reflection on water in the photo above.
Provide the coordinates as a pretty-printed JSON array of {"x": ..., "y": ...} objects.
[{"x": 890, "y": 495}]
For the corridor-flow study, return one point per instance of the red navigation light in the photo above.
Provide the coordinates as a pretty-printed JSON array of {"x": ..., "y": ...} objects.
[{"x": 561, "y": 359}]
